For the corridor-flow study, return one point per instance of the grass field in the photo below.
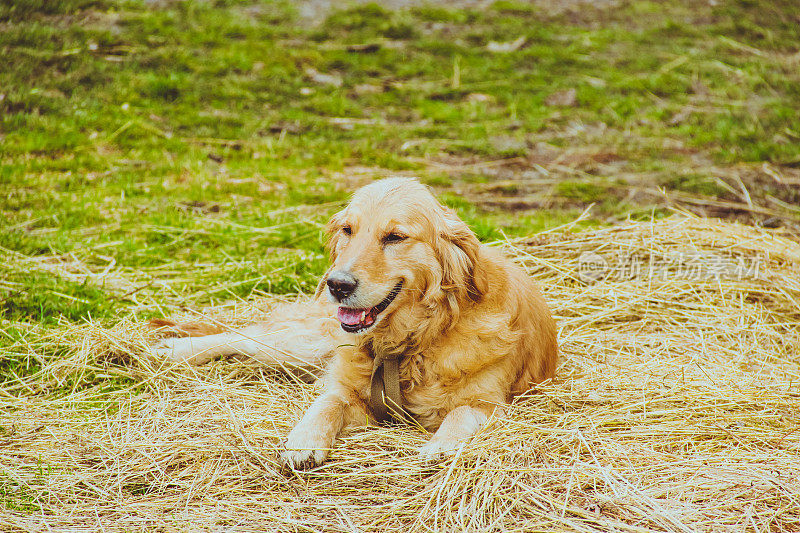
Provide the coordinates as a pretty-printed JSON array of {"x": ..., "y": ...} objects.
[{"x": 162, "y": 157}]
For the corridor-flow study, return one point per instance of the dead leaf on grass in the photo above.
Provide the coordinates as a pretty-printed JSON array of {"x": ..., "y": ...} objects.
[
  {"x": 565, "y": 98},
  {"x": 323, "y": 79},
  {"x": 505, "y": 47},
  {"x": 364, "y": 48},
  {"x": 479, "y": 97}
]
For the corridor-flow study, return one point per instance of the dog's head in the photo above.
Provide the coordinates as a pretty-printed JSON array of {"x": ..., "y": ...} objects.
[{"x": 395, "y": 247}]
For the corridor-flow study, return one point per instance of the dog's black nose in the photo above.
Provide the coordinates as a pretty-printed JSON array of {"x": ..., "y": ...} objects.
[{"x": 341, "y": 284}]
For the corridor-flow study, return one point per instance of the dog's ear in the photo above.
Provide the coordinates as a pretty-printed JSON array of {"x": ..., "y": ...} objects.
[
  {"x": 459, "y": 254},
  {"x": 333, "y": 234}
]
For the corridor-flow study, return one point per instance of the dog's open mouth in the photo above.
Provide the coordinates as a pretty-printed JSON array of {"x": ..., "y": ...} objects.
[{"x": 354, "y": 319}]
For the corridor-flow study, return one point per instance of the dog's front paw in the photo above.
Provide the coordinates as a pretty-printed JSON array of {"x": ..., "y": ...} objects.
[
  {"x": 165, "y": 349},
  {"x": 302, "y": 459},
  {"x": 178, "y": 349},
  {"x": 437, "y": 450},
  {"x": 305, "y": 449},
  {"x": 182, "y": 350}
]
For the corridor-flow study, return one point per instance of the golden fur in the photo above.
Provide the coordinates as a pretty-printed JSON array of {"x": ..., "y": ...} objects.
[{"x": 470, "y": 327}]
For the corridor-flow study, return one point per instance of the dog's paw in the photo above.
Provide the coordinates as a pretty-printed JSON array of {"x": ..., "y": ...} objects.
[
  {"x": 302, "y": 459},
  {"x": 305, "y": 449},
  {"x": 437, "y": 450},
  {"x": 182, "y": 350},
  {"x": 169, "y": 348}
]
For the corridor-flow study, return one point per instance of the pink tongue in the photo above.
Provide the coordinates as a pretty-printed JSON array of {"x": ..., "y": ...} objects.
[{"x": 351, "y": 317}]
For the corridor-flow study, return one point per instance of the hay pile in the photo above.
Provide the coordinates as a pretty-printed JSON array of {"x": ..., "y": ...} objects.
[{"x": 676, "y": 408}]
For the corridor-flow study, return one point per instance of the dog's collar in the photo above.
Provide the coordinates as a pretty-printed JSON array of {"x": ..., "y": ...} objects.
[{"x": 385, "y": 396}]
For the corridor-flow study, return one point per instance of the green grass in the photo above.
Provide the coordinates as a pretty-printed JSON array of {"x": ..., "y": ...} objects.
[
  {"x": 191, "y": 150},
  {"x": 16, "y": 498},
  {"x": 19, "y": 497}
]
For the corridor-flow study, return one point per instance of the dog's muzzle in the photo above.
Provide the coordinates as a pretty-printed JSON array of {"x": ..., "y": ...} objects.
[{"x": 358, "y": 319}]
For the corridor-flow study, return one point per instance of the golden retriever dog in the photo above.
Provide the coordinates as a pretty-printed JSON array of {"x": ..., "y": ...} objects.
[{"x": 414, "y": 311}]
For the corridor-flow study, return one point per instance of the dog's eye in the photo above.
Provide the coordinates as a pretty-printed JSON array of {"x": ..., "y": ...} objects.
[
  {"x": 347, "y": 230},
  {"x": 393, "y": 237}
]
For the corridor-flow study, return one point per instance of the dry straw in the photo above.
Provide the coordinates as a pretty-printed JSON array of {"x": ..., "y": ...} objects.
[{"x": 675, "y": 409}]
